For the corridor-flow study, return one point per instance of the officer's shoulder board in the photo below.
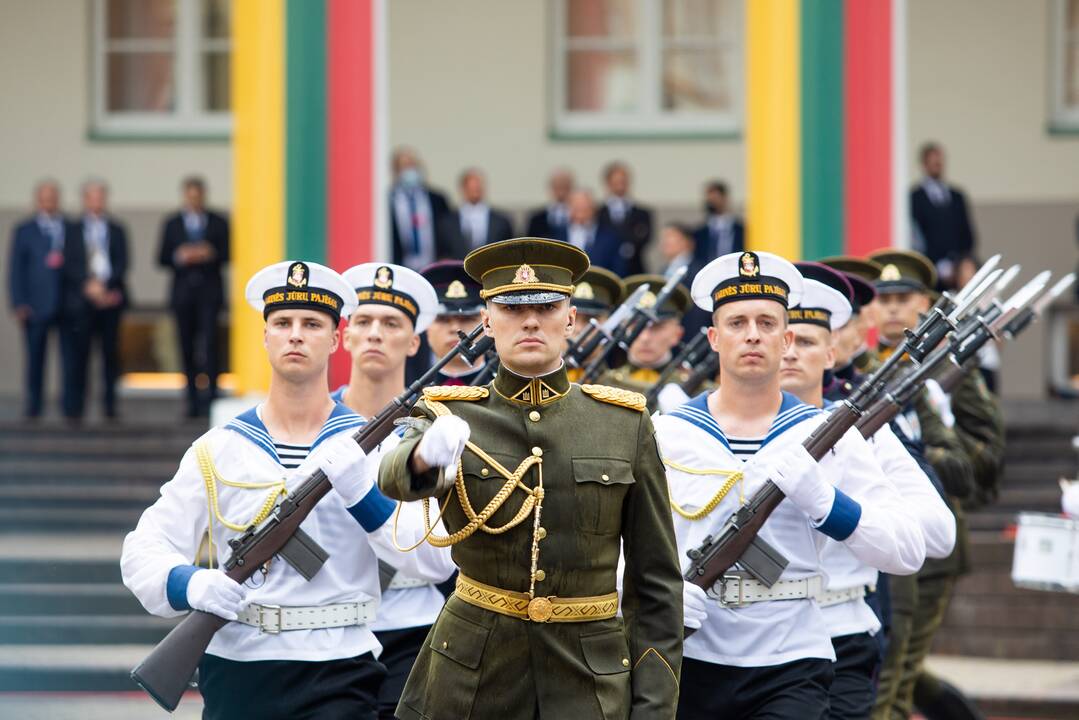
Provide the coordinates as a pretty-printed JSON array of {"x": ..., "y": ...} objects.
[
  {"x": 616, "y": 396},
  {"x": 442, "y": 393}
]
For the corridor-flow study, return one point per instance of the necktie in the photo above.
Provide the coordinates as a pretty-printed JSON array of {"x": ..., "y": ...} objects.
[{"x": 414, "y": 221}]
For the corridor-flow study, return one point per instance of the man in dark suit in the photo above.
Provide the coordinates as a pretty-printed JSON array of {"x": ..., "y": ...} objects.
[
  {"x": 943, "y": 231},
  {"x": 551, "y": 220},
  {"x": 416, "y": 212},
  {"x": 722, "y": 232},
  {"x": 34, "y": 281},
  {"x": 601, "y": 242},
  {"x": 195, "y": 246},
  {"x": 632, "y": 223},
  {"x": 95, "y": 294},
  {"x": 474, "y": 223}
]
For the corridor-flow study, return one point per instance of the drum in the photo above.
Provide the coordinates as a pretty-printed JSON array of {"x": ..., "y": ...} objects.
[{"x": 1046, "y": 553}]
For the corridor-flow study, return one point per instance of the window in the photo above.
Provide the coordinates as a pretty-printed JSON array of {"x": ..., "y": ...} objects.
[
  {"x": 1065, "y": 65},
  {"x": 161, "y": 67},
  {"x": 654, "y": 67}
]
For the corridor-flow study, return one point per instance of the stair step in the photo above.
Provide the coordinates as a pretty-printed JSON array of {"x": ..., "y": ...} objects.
[
  {"x": 82, "y": 494},
  {"x": 83, "y": 629},
  {"x": 29, "y": 470},
  {"x": 68, "y": 599},
  {"x": 66, "y": 519},
  {"x": 32, "y": 571}
]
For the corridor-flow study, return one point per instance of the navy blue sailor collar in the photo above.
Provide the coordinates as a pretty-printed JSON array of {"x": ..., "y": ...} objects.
[
  {"x": 791, "y": 412},
  {"x": 250, "y": 426}
]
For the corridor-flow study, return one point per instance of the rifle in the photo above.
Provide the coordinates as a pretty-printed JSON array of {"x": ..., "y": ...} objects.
[
  {"x": 694, "y": 352},
  {"x": 737, "y": 541},
  {"x": 626, "y": 332},
  {"x": 705, "y": 370},
  {"x": 580, "y": 348},
  {"x": 167, "y": 671}
]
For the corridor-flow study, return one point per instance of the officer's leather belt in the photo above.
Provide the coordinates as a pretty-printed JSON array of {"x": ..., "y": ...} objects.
[
  {"x": 274, "y": 618},
  {"x": 537, "y": 609}
]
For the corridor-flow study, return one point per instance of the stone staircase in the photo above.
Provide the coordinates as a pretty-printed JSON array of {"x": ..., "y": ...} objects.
[{"x": 67, "y": 497}]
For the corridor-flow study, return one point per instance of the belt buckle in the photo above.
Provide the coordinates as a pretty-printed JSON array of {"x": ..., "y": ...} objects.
[
  {"x": 262, "y": 615},
  {"x": 723, "y": 586}
]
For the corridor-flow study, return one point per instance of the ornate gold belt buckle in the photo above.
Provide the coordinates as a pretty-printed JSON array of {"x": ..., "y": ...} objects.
[{"x": 540, "y": 609}]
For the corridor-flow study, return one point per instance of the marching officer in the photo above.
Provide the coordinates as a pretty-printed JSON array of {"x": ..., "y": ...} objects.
[
  {"x": 295, "y": 647},
  {"x": 393, "y": 305},
  {"x": 541, "y": 482}
]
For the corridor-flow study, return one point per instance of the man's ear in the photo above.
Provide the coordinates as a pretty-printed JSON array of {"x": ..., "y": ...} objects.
[
  {"x": 485, "y": 318},
  {"x": 336, "y": 339},
  {"x": 414, "y": 346},
  {"x": 788, "y": 337},
  {"x": 829, "y": 362},
  {"x": 572, "y": 323}
]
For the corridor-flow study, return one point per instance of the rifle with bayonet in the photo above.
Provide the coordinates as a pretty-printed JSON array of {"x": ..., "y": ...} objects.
[
  {"x": 580, "y": 348},
  {"x": 737, "y": 541},
  {"x": 693, "y": 353},
  {"x": 167, "y": 671},
  {"x": 627, "y": 331}
]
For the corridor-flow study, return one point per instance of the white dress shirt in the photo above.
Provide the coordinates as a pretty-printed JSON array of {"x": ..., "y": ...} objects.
[{"x": 474, "y": 221}]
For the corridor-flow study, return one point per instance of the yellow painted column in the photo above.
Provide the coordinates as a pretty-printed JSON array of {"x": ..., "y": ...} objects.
[
  {"x": 258, "y": 143},
  {"x": 773, "y": 123}
]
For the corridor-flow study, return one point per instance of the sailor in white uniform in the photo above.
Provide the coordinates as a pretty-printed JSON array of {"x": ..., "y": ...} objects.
[
  {"x": 394, "y": 305},
  {"x": 766, "y": 652},
  {"x": 825, "y": 307},
  {"x": 296, "y": 648}
]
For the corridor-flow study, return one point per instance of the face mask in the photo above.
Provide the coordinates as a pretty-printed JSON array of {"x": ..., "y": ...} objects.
[{"x": 411, "y": 177}]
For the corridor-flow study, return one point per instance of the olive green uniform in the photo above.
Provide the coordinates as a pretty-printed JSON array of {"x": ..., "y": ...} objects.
[{"x": 604, "y": 490}]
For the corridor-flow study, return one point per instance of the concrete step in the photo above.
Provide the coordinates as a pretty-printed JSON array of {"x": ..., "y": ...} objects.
[
  {"x": 71, "y": 668},
  {"x": 151, "y": 446},
  {"x": 68, "y": 599},
  {"x": 68, "y": 519},
  {"x": 80, "y": 494},
  {"x": 117, "y": 468},
  {"x": 1007, "y": 688},
  {"x": 83, "y": 629}
]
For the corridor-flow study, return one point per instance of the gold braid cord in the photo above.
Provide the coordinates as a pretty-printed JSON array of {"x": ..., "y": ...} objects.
[
  {"x": 211, "y": 477},
  {"x": 478, "y": 521},
  {"x": 616, "y": 396},
  {"x": 733, "y": 477}
]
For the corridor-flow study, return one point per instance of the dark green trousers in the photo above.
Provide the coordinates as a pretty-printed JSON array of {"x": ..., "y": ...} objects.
[
  {"x": 934, "y": 594},
  {"x": 904, "y": 600}
]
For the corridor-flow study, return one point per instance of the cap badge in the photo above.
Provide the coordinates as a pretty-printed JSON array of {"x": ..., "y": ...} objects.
[
  {"x": 648, "y": 300},
  {"x": 749, "y": 265},
  {"x": 456, "y": 291},
  {"x": 890, "y": 272},
  {"x": 524, "y": 274},
  {"x": 584, "y": 291},
  {"x": 298, "y": 274},
  {"x": 384, "y": 278}
]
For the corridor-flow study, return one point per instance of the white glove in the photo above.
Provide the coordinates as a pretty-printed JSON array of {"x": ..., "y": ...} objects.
[
  {"x": 443, "y": 443},
  {"x": 671, "y": 397},
  {"x": 346, "y": 467},
  {"x": 215, "y": 592},
  {"x": 695, "y": 603},
  {"x": 798, "y": 475}
]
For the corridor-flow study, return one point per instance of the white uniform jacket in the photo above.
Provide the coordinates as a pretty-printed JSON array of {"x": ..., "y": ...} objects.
[
  {"x": 170, "y": 534},
  {"x": 699, "y": 460}
]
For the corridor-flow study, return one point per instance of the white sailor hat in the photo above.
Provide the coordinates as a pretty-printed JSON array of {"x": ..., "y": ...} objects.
[
  {"x": 747, "y": 276},
  {"x": 395, "y": 286},
  {"x": 821, "y": 305},
  {"x": 296, "y": 284}
]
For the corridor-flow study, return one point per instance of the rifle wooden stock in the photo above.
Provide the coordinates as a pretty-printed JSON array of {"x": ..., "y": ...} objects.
[{"x": 167, "y": 671}]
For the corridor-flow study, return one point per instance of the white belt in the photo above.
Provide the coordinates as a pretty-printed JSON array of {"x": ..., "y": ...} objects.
[
  {"x": 400, "y": 582},
  {"x": 842, "y": 595},
  {"x": 734, "y": 590},
  {"x": 274, "y": 618}
]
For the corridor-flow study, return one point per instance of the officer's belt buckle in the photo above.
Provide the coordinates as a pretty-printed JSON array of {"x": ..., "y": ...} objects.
[
  {"x": 272, "y": 612},
  {"x": 724, "y": 585}
]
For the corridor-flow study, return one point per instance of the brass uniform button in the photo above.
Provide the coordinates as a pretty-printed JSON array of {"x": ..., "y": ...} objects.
[
  {"x": 538, "y": 452},
  {"x": 534, "y": 416},
  {"x": 485, "y": 472},
  {"x": 541, "y": 533},
  {"x": 445, "y": 645},
  {"x": 540, "y": 576},
  {"x": 625, "y": 662},
  {"x": 605, "y": 477}
]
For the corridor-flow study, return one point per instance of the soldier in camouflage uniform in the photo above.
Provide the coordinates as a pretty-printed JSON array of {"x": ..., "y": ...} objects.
[{"x": 542, "y": 482}]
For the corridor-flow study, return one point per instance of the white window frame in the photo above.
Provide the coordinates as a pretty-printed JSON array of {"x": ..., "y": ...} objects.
[
  {"x": 649, "y": 119},
  {"x": 1061, "y": 116},
  {"x": 188, "y": 119}
]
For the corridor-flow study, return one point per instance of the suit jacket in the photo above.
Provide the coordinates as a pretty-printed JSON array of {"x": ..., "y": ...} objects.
[
  {"x": 707, "y": 250},
  {"x": 200, "y": 281},
  {"x": 540, "y": 226},
  {"x": 458, "y": 244},
  {"x": 604, "y": 250},
  {"x": 77, "y": 271},
  {"x": 31, "y": 281},
  {"x": 945, "y": 229},
  {"x": 634, "y": 233},
  {"x": 439, "y": 209}
]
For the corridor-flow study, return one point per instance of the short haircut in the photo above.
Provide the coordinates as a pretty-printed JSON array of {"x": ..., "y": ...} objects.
[
  {"x": 717, "y": 186},
  {"x": 469, "y": 172},
  {"x": 193, "y": 181},
  {"x": 44, "y": 182},
  {"x": 931, "y": 146},
  {"x": 93, "y": 182},
  {"x": 614, "y": 166}
]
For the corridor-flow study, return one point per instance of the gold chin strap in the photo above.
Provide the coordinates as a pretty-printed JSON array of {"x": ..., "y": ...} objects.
[
  {"x": 533, "y": 501},
  {"x": 733, "y": 477},
  {"x": 211, "y": 477}
]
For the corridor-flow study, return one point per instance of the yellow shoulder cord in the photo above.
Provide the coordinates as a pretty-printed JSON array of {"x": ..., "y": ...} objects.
[
  {"x": 211, "y": 477},
  {"x": 477, "y": 521},
  {"x": 733, "y": 477}
]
